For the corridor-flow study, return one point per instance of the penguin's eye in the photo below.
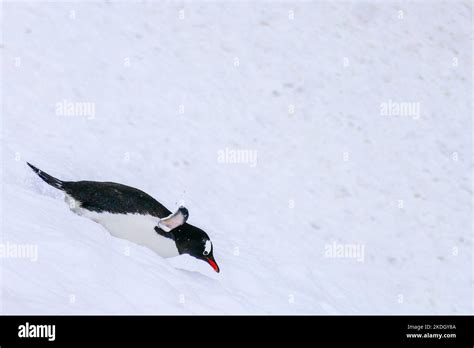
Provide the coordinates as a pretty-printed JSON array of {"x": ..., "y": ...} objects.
[{"x": 207, "y": 248}]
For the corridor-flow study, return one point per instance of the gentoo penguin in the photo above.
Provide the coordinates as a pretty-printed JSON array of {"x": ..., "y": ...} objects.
[{"x": 131, "y": 214}]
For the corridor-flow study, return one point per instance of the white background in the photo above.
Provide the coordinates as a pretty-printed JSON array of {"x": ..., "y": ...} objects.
[{"x": 237, "y": 68}]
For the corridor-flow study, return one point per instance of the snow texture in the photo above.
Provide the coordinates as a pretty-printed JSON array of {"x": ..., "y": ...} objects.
[{"x": 325, "y": 147}]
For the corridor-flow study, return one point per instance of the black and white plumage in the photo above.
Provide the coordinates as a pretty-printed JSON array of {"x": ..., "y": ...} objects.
[{"x": 132, "y": 214}]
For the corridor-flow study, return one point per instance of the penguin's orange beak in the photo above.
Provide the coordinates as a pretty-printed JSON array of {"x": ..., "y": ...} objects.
[{"x": 213, "y": 263}]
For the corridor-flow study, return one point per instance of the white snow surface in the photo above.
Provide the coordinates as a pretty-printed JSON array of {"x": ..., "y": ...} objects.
[{"x": 299, "y": 82}]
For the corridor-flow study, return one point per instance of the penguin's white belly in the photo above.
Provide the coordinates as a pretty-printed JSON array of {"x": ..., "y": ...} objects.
[{"x": 136, "y": 228}]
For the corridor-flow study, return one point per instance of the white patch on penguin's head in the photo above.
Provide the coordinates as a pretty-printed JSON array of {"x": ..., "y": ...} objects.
[{"x": 207, "y": 247}]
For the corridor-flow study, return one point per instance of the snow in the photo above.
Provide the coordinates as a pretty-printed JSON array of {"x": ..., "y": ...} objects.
[{"x": 294, "y": 87}]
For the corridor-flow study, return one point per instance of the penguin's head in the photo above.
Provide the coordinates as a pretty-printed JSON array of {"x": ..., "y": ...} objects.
[
  {"x": 195, "y": 242},
  {"x": 188, "y": 238}
]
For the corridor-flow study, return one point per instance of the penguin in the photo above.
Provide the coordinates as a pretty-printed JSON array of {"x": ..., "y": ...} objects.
[{"x": 129, "y": 213}]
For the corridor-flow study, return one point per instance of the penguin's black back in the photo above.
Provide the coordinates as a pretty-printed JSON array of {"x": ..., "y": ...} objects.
[
  {"x": 114, "y": 198},
  {"x": 107, "y": 196}
]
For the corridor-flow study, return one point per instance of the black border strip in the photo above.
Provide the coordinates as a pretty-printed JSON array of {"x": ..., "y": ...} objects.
[{"x": 225, "y": 330}]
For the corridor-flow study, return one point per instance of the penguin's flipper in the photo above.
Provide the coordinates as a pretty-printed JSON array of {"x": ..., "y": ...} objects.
[
  {"x": 174, "y": 220},
  {"x": 47, "y": 178}
]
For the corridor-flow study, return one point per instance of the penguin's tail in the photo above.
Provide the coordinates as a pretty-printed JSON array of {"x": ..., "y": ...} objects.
[{"x": 47, "y": 178}]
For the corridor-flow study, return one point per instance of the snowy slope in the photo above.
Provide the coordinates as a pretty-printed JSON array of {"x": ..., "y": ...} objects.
[{"x": 300, "y": 83}]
